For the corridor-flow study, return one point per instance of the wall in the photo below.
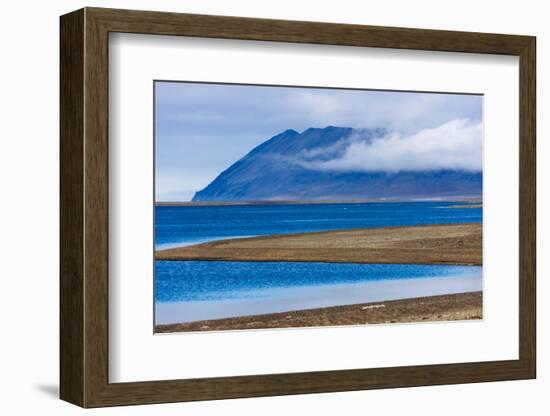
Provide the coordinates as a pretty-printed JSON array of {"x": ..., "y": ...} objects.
[{"x": 29, "y": 220}]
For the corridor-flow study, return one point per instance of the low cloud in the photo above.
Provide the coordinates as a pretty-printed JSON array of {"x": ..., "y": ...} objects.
[
  {"x": 455, "y": 145},
  {"x": 201, "y": 129}
]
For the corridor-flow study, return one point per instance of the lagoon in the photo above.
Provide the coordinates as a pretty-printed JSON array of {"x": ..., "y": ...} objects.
[
  {"x": 187, "y": 291},
  {"x": 198, "y": 290}
]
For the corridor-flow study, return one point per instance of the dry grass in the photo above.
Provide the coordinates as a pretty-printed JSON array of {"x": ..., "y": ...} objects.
[{"x": 427, "y": 244}]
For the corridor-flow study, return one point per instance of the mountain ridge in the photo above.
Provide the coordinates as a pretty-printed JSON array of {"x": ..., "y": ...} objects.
[{"x": 278, "y": 169}]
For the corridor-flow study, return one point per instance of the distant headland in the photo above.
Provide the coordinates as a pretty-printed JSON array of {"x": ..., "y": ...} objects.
[{"x": 293, "y": 166}]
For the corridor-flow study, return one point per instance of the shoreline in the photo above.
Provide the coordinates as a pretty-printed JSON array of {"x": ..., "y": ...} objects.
[
  {"x": 294, "y": 298},
  {"x": 466, "y": 206},
  {"x": 452, "y": 244},
  {"x": 452, "y": 307},
  {"x": 465, "y": 199}
]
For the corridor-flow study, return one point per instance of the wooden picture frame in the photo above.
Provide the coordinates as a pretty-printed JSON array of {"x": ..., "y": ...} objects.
[{"x": 84, "y": 207}]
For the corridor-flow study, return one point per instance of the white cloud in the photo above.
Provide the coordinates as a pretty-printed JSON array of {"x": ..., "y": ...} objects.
[{"x": 455, "y": 145}]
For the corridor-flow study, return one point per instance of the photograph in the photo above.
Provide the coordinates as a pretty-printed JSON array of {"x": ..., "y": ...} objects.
[{"x": 282, "y": 206}]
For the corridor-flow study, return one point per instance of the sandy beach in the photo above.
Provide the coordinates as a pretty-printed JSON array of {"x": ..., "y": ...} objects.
[
  {"x": 459, "y": 244},
  {"x": 455, "y": 307}
]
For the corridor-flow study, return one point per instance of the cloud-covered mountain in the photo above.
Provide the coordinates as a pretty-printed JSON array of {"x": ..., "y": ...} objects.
[{"x": 338, "y": 163}]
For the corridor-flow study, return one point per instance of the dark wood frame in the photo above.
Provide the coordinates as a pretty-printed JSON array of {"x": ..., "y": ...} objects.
[{"x": 84, "y": 207}]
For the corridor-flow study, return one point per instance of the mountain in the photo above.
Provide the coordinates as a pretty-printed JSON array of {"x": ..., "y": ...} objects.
[{"x": 285, "y": 167}]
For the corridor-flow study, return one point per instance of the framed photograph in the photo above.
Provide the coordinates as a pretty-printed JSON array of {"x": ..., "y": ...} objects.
[{"x": 254, "y": 207}]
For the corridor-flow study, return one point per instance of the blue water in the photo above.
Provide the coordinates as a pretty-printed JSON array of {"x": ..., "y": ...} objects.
[
  {"x": 180, "y": 225},
  {"x": 178, "y": 281},
  {"x": 195, "y": 290}
]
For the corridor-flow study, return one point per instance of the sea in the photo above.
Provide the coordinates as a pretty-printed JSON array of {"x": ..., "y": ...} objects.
[{"x": 187, "y": 291}]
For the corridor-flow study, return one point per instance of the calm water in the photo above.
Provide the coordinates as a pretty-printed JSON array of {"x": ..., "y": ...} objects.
[
  {"x": 219, "y": 280},
  {"x": 194, "y": 290},
  {"x": 187, "y": 224}
]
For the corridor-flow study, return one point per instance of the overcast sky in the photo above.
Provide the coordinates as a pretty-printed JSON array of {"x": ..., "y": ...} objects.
[{"x": 201, "y": 129}]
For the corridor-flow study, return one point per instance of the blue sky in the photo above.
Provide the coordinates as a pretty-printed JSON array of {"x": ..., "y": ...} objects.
[{"x": 201, "y": 129}]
